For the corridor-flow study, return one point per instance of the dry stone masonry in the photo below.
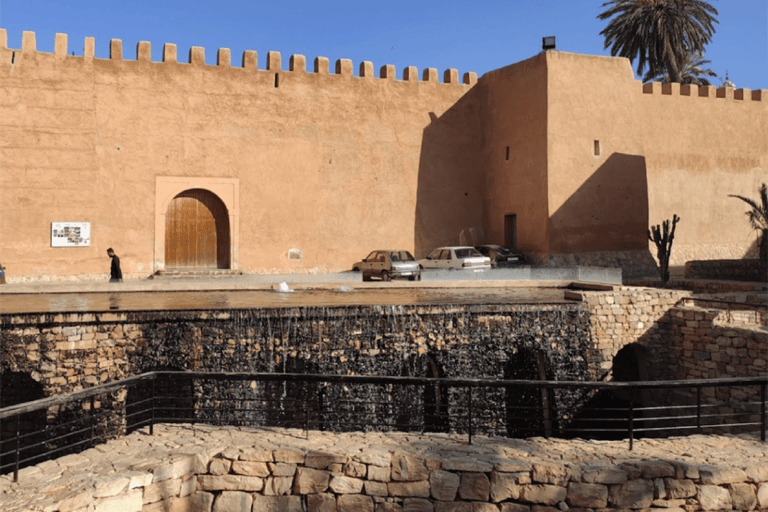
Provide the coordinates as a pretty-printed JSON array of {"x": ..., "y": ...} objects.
[{"x": 184, "y": 468}]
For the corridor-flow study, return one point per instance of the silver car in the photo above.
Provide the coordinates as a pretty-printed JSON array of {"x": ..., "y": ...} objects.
[
  {"x": 388, "y": 265},
  {"x": 453, "y": 258}
]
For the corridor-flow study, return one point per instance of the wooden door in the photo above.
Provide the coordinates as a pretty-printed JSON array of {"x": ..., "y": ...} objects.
[{"x": 196, "y": 231}]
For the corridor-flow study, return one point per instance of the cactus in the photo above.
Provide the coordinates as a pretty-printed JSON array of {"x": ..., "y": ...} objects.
[{"x": 662, "y": 236}]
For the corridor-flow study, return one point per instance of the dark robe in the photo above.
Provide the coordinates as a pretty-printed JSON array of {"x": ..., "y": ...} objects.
[{"x": 115, "y": 273}]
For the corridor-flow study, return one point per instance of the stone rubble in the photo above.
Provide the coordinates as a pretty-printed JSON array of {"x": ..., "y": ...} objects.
[{"x": 194, "y": 468}]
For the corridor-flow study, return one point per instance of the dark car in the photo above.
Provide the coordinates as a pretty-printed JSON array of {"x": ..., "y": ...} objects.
[
  {"x": 502, "y": 256},
  {"x": 388, "y": 265}
]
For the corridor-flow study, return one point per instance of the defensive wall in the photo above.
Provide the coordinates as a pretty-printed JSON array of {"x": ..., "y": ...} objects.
[{"x": 565, "y": 155}]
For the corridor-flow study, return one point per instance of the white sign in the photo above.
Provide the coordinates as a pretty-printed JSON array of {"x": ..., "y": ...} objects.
[{"x": 70, "y": 234}]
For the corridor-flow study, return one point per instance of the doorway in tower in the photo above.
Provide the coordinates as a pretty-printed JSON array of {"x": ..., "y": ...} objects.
[{"x": 197, "y": 231}]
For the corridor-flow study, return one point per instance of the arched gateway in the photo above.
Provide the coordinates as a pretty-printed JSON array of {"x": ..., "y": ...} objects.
[{"x": 197, "y": 231}]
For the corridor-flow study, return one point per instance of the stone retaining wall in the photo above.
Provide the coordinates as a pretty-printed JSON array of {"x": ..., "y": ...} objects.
[{"x": 732, "y": 270}]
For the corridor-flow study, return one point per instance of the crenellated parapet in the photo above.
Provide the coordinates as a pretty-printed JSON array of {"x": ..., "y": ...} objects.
[
  {"x": 705, "y": 91},
  {"x": 297, "y": 63}
]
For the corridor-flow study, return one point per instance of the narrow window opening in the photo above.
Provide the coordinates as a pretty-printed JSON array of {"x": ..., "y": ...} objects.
[
  {"x": 277, "y": 80},
  {"x": 597, "y": 148},
  {"x": 507, "y": 155},
  {"x": 13, "y": 57}
]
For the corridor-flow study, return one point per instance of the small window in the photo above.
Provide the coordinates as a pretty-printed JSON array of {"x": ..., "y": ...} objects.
[
  {"x": 507, "y": 156},
  {"x": 597, "y": 148}
]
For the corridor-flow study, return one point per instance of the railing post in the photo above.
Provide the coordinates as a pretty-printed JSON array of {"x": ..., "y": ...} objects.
[
  {"x": 90, "y": 417},
  {"x": 631, "y": 418},
  {"x": 18, "y": 435},
  {"x": 763, "y": 387},
  {"x": 698, "y": 409},
  {"x": 470, "y": 415},
  {"x": 152, "y": 419}
]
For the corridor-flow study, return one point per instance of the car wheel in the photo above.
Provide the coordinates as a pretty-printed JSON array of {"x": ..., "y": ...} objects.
[
  {"x": 356, "y": 269},
  {"x": 385, "y": 276},
  {"x": 411, "y": 278}
]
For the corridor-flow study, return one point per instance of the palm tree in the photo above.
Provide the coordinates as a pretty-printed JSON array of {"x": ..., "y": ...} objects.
[
  {"x": 658, "y": 32},
  {"x": 758, "y": 218},
  {"x": 692, "y": 71}
]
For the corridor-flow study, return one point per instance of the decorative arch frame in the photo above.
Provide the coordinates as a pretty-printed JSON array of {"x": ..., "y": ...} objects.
[{"x": 168, "y": 187}]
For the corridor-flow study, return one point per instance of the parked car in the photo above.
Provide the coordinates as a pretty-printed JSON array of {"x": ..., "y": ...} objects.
[
  {"x": 452, "y": 258},
  {"x": 2, "y": 274},
  {"x": 502, "y": 256},
  {"x": 388, "y": 265}
]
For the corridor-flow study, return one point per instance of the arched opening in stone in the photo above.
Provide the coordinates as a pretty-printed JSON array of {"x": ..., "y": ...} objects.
[
  {"x": 18, "y": 388},
  {"x": 529, "y": 409},
  {"x": 421, "y": 406},
  {"x": 197, "y": 231},
  {"x": 605, "y": 414}
]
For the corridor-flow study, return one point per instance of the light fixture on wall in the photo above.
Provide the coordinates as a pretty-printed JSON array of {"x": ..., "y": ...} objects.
[{"x": 548, "y": 43}]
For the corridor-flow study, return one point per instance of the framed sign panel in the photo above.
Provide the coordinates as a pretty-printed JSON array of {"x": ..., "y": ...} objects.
[{"x": 70, "y": 234}]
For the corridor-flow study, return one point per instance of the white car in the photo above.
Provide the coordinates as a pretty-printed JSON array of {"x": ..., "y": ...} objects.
[{"x": 455, "y": 258}]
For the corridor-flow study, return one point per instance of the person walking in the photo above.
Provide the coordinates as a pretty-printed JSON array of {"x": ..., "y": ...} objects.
[{"x": 115, "y": 274}]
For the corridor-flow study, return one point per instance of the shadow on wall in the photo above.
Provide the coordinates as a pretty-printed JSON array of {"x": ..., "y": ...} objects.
[
  {"x": 608, "y": 212},
  {"x": 449, "y": 190}
]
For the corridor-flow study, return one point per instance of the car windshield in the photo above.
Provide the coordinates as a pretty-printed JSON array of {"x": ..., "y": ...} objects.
[
  {"x": 401, "y": 256},
  {"x": 468, "y": 252}
]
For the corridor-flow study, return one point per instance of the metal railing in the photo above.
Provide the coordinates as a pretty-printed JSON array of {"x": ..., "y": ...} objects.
[{"x": 48, "y": 428}]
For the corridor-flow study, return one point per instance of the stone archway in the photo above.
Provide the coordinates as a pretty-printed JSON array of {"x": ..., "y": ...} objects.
[
  {"x": 197, "y": 231},
  {"x": 216, "y": 206}
]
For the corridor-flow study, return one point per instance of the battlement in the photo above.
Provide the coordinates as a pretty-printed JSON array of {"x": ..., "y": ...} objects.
[
  {"x": 711, "y": 92},
  {"x": 296, "y": 64}
]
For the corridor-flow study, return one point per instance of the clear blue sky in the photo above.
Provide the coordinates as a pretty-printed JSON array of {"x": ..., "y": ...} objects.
[{"x": 470, "y": 36}]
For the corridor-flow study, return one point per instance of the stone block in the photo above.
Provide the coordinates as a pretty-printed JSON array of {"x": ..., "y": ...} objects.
[
  {"x": 293, "y": 456},
  {"x": 219, "y": 466},
  {"x": 282, "y": 469},
  {"x": 250, "y": 468},
  {"x": 603, "y": 474},
  {"x": 321, "y": 460},
  {"x": 229, "y": 483},
  {"x": 374, "y": 458},
  {"x": 443, "y": 485},
  {"x": 718, "y": 475},
  {"x": 762, "y": 495},
  {"x": 129, "y": 501},
  {"x": 474, "y": 486},
  {"x": 467, "y": 464},
  {"x": 107, "y": 486},
  {"x": 321, "y": 503},
  {"x": 162, "y": 490},
  {"x": 512, "y": 466},
  {"x": 346, "y": 485},
  {"x": 587, "y": 495},
  {"x": 713, "y": 497},
  {"x": 479, "y": 506},
  {"x": 743, "y": 496},
  {"x": 379, "y": 474},
  {"x": 651, "y": 469},
  {"x": 277, "y": 485},
  {"x": 257, "y": 456},
  {"x": 233, "y": 501},
  {"x": 633, "y": 494},
  {"x": 355, "y": 469},
  {"x": 514, "y": 507},
  {"x": 550, "y": 474},
  {"x": 409, "y": 489},
  {"x": 354, "y": 503},
  {"x": 456, "y": 506},
  {"x": 417, "y": 505},
  {"x": 504, "y": 486},
  {"x": 679, "y": 488},
  {"x": 543, "y": 494},
  {"x": 408, "y": 469},
  {"x": 372, "y": 488},
  {"x": 310, "y": 481}
]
